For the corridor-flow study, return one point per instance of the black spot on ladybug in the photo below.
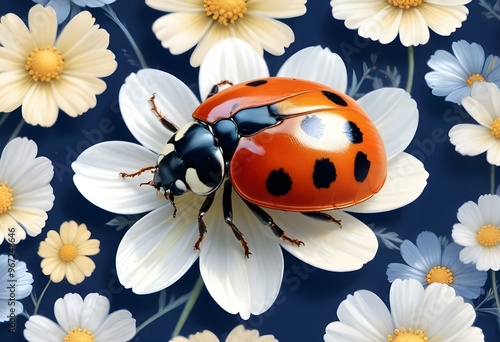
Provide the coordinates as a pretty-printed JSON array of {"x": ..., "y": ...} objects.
[
  {"x": 278, "y": 182},
  {"x": 335, "y": 98},
  {"x": 312, "y": 126},
  {"x": 353, "y": 133},
  {"x": 361, "y": 166},
  {"x": 256, "y": 83},
  {"x": 324, "y": 173}
]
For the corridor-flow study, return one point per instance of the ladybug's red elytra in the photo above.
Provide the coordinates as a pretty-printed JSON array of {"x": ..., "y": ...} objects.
[{"x": 281, "y": 143}]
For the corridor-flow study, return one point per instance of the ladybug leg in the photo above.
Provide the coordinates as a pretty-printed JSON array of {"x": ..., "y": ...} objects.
[
  {"x": 201, "y": 224},
  {"x": 164, "y": 121},
  {"x": 318, "y": 215},
  {"x": 135, "y": 174},
  {"x": 170, "y": 197},
  {"x": 265, "y": 218},
  {"x": 227, "y": 208}
]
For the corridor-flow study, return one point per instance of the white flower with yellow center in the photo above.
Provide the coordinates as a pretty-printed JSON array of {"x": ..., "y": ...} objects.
[
  {"x": 479, "y": 232},
  {"x": 416, "y": 315},
  {"x": 65, "y": 255},
  {"x": 238, "y": 334},
  {"x": 81, "y": 320},
  {"x": 25, "y": 191},
  {"x": 158, "y": 249},
  {"x": 383, "y": 20},
  {"x": 206, "y": 22},
  {"x": 43, "y": 73},
  {"x": 473, "y": 139}
]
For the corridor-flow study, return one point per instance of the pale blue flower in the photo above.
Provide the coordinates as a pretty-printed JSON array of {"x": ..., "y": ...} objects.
[
  {"x": 429, "y": 261},
  {"x": 454, "y": 75},
  {"x": 65, "y": 8},
  {"x": 15, "y": 284}
]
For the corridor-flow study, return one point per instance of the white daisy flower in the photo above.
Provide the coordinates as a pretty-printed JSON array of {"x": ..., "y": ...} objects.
[
  {"x": 44, "y": 74},
  {"x": 383, "y": 20},
  {"x": 81, "y": 320},
  {"x": 473, "y": 139},
  {"x": 65, "y": 8},
  {"x": 238, "y": 334},
  {"x": 158, "y": 249},
  {"x": 14, "y": 285},
  {"x": 454, "y": 75},
  {"x": 25, "y": 191},
  {"x": 479, "y": 232},
  {"x": 415, "y": 314},
  {"x": 204, "y": 23}
]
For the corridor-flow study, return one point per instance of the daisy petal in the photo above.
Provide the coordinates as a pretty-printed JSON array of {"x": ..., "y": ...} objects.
[
  {"x": 395, "y": 114},
  {"x": 97, "y": 177},
  {"x": 406, "y": 299},
  {"x": 118, "y": 326},
  {"x": 488, "y": 95},
  {"x": 158, "y": 249},
  {"x": 13, "y": 30},
  {"x": 277, "y": 9},
  {"x": 224, "y": 62},
  {"x": 273, "y": 35},
  {"x": 406, "y": 179},
  {"x": 338, "y": 331},
  {"x": 41, "y": 329},
  {"x": 326, "y": 245},
  {"x": 42, "y": 22},
  {"x": 413, "y": 29},
  {"x": 471, "y": 140},
  {"x": 316, "y": 64},
  {"x": 14, "y": 86},
  {"x": 39, "y": 106},
  {"x": 172, "y": 97},
  {"x": 95, "y": 309},
  {"x": 67, "y": 311},
  {"x": 175, "y": 5},
  {"x": 442, "y": 18}
]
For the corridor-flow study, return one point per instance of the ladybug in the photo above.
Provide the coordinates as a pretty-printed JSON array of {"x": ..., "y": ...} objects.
[{"x": 281, "y": 143}]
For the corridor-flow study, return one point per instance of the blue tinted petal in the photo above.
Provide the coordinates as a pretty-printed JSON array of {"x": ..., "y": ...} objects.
[
  {"x": 61, "y": 7},
  {"x": 429, "y": 246},
  {"x": 470, "y": 56},
  {"x": 402, "y": 271},
  {"x": 413, "y": 257},
  {"x": 450, "y": 257},
  {"x": 491, "y": 69},
  {"x": 92, "y": 3}
]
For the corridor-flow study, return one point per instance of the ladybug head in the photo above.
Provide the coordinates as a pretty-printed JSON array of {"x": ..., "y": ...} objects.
[{"x": 191, "y": 160}]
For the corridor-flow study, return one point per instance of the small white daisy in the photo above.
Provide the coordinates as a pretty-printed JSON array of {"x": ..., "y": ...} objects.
[
  {"x": 479, "y": 232},
  {"x": 43, "y": 73},
  {"x": 15, "y": 285},
  {"x": 430, "y": 262},
  {"x": 81, "y": 320},
  {"x": 65, "y": 8},
  {"x": 149, "y": 262},
  {"x": 25, "y": 191},
  {"x": 238, "y": 334},
  {"x": 473, "y": 139},
  {"x": 454, "y": 75},
  {"x": 204, "y": 23},
  {"x": 383, "y": 20},
  {"x": 416, "y": 314}
]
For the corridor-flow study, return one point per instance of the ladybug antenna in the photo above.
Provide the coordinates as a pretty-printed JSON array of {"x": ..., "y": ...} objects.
[{"x": 164, "y": 121}]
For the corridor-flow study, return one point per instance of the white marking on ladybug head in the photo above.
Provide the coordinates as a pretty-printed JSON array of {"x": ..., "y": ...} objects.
[
  {"x": 180, "y": 185},
  {"x": 195, "y": 184},
  {"x": 166, "y": 149},
  {"x": 182, "y": 131}
]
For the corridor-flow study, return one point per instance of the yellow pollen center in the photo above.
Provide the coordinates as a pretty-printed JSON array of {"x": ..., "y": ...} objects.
[
  {"x": 68, "y": 252},
  {"x": 410, "y": 335},
  {"x": 79, "y": 335},
  {"x": 405, "y": 4},
  {"x": 495, "y": 128},
  {"x": 488, "y": 235},
  {"x": 474, "y": 78},
  {"x": 225, "y": 12},
  {"x": 5, "y": 198},
  {"x": 45, "y": 63},
  {"x": 440, "y": 274}
]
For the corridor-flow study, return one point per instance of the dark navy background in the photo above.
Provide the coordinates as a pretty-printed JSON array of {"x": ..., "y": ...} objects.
[{"x": 309, "y": 297}]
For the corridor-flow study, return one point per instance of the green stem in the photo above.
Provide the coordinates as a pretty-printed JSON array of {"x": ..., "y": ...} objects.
[
  {"x": 112, "y": 15},
  {"x": 492, "y": 179},
  {"x": 37, "y": 304},
  {"x": 4, "y": 117},
  {"x": 178, "y": 302},
  {"x": 495, "y": 290},
  {"x": 411, "y": 68},
  {"x": 16, "y": 131},
  {"x": 195, "y": 293}
]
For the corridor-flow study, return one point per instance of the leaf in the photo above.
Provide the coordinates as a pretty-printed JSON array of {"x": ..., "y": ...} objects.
[
  {"x": 121, "y": 222},
  {"x": 390, "y": 240}
]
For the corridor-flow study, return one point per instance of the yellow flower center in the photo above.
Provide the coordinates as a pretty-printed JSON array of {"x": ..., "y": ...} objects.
[
  {"x": 403, "y": 335},
  {"x": 440, "y": 274},
  {"x": 405, "y": 4},
  {"x": 225, "y": 11},
  {"x": 495, "y": 128},
  {"x": 68, "y": 252},
  {"x": 488, "y": 235},
  {"x": 474, "y": 78},
  {"x": 5, "y": 198},
  {"x": 45, "y": 63},
  {"x": 79, "y": 335}
]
